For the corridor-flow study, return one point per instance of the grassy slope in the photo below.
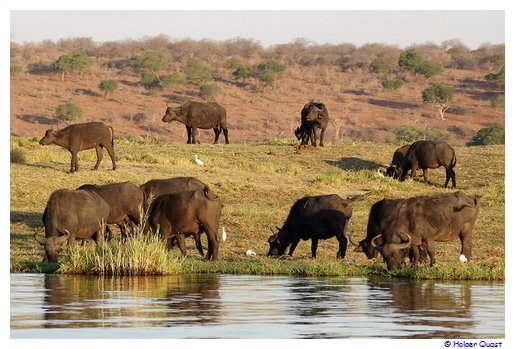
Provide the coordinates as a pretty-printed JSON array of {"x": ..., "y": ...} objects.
[{"x": 258, "y": 184}]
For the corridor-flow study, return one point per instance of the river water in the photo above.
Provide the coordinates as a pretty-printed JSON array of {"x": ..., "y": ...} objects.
[{"x": 236, "y": 306}]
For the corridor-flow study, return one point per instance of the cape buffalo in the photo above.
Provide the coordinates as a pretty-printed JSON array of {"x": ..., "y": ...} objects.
[
  {"x": 395, "y": 168},
  {"x": 69, "y": 215},
  {"x": 199, "y": 115},
  {"x": 158, "y": 187},
  {"x": 430, "y": 154},
  {"x": 188, "y": 212},
  {"x": 124, "y": 199},
  {"x": 313, "y": 116},
  {"x": 84, "y": 136},
  {"x": 399, "y": 224},
  {"x": 313, "y": 217}
]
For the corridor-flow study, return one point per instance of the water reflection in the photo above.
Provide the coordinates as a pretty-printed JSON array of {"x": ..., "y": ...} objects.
[{"x": 229, "y": 306}]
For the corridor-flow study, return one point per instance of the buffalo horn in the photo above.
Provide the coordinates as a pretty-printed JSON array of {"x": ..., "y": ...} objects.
[
  {"x": 405, "y": 244},
  {"x": 352, "y": 241},
  {"x": 374, "y": 245}
]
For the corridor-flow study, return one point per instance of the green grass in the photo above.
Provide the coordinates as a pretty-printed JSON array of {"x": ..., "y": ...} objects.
[{"x": 258, "y": 184}]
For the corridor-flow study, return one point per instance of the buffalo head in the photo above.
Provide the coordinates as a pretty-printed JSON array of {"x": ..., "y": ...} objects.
[
  {"x": 392, "y": 252},
  {"x": 52, "y": 245},
  {"x": 276, "y": 247},
  {"x": 171, "y": 114},
  {"x": 49, "y": 138},
  {"x": 363, "y": 246}
]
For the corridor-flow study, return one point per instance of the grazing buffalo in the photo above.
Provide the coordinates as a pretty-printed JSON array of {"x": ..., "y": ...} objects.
[
  {"x": 188, "y": 212},
  {"x": 430, "y": 154},
  {"x": 199, "y": 115},
  {"x": 396, "y": 225},
  {"x": 70, "y": 215},
  {"x": 84, "y": 136},
  {"x": 124, "y": 199},
  {"x": 395, "y": 168},
  {"x": 313, "y": 116},
  {"x": 315, "y": 218},
  {"x": 158, "y": 187}
]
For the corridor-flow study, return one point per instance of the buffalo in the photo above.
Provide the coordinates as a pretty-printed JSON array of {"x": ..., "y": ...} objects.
[
  {"x": 83, "y": 136},
  {"x": 124, "y": 199},
  {"x": 430, "y": 154},
  {"x": 315, "y": 218},
  {"x": 395, "y": 168},
  {"x": 313, "y": 116},
  {"x": 188, "y": 212},
  {"x": 157, "y": 187},
  {"x": 199, "y": 115},
  {"x": 398, "y": 227},
  {"x": 70, "y": 215}
]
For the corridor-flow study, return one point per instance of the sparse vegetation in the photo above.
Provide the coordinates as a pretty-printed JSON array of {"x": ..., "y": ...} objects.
[
  {"x": 198, "y": 72},
  {"x": 107, "y": 87},
  {"x": 208, "y": 91},
  {"x": 410, "y": 134},
  {"x": 68, "y": 112},
  {"x": 16, "y": 70},
  {"x": 392, "y": 84},
  {"x": 488, "y": 136},
  {"x": 439, "y": 96}
]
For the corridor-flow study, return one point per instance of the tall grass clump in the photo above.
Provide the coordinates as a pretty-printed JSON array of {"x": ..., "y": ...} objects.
[{"x": 138, "y": 255}]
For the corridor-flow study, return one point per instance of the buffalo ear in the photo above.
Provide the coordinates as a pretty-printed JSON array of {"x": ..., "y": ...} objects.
[
  {"x": 40, "y": 239},
  {"x": 62, "y": 239}
]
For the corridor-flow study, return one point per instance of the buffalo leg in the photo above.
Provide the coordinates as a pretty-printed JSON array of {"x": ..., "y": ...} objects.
[
  {"x": 198, "y": 243},
  {"x": 193, "y": 135},
  {"x": 217, "y": 134},
  {"x": 322, "y": 137},
  {"x": 188, "y": 130},
  {"x": 314, "y": 245},
  {"x": 226, "y": 134},
  {"x": 74, "y": 163},
  {"x": 110, "y": 151},
  {"x": 314, "y": 136},
  {"x": 466, "y": 244},
  {"x": 100, "y": 156},
  {"x": 450, "y": 175},
  {"x": 424, "y": 173},
  {"x": 342, "y": 249},
  {"x": 293, "y": 246},
  {"x": 181, "y": 243},
  {"x": 431, "y": 251}
]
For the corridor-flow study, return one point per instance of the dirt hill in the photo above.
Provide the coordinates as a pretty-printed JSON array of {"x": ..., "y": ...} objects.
[{"x": 359, "y": 108}]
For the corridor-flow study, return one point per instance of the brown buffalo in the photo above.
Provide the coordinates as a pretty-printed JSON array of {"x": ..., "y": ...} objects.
[
  {"x": 125, "y": 200},
  {"x": 70, "y": 215},
  {"x": 188, "y": 212},
  {"x": 396, "y": 225},
  {"x": 313, "y": 116},
  {"x": 84, "y": 136},
  {"x": 395, "y": 168},
  {"x": 315, "y": 218},
  {"x": 196, "y": 115},
  {"x": 430, "y": 154}
]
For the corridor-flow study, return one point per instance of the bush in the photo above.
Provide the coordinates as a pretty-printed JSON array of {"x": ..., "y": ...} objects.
[
  {"x": 242, "y": 72},
  {"x": 16, "y": 70},
  {"x": 410, "y": 134},
  {"x": 392, "y": 84},
  {"x": 488, "y": 136},
  {"x": 198, "y": 72},
  {"x": 207, "y": 91},
  {"x": 149, "y": 80},
  {"x": 268, "y": 78},
  {"x": 272, "y": 65},
  {"x": 18, "y": 156},
  {"x": 155, "y": 61},
  {"x": 68, "y": 112},
  {"x": 172, "y": 80},
  {"x": 107, "y": 86},
  {"x": 497, "y": 102},
  {"x": 380, "y": 65}
]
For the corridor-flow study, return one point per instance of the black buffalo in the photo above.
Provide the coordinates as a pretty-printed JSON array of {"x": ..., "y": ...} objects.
[
  {"x": 70, "y": 215},
  {"x": 430, "y": 154},
  {"x": 188, "y": 212},
  {"x": 157, "y": 187},
  {"x": 396, "y": 225},
  {"x": 313, "y": 116},
  {"x": 83, "y": 136},
  {"x": 315, "y": 218},
  {"x": 125, "y": 200},
  {"x": 395, "y": 168},
  {"x": 199, "y": 115}
]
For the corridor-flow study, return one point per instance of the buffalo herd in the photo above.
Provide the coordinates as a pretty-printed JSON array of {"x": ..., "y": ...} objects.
[{"x": 176, "y": 208}]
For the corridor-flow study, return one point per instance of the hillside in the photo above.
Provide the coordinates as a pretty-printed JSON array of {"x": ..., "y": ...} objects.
[{"x": 359, "y": 108}]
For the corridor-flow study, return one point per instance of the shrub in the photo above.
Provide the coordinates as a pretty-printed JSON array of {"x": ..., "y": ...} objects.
[
  {"x": 439, "y": 96},
  {"x": 380, "y": 65},
  {"x": 172, "y": 80},
  {"x": 198, "y": 72},
  {"x": 155, "y": 61},
  {"x": 16, "y": 70},
  {"x": 410, "y": 134},
  {"x": 149, "y": 80},
  {"x": 18, "y": 156},
  {"x": 234, "y": 63},
  {"x": 497, "y": 102},
  {"x": 242, "y": 72},
  {"x": 108, "y": 86},
  {"x": 488, "y": 136},
  {"x": 207, "y": 91},
  {"x": 68, "y": 112},
  {"x": 392, "y": 84},
  {"x": 272, "y": 65}
]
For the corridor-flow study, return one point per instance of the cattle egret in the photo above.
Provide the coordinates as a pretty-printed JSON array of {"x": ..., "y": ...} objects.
[
  {"x": 198, "y": 161},
  {"x": 463, "y": 259},
  {"x": 380, "y": 173},
  {"x": 250, "y": 253},
  {"x": 224, "y": 234}
]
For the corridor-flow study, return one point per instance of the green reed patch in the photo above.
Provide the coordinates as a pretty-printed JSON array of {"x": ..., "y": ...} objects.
[{"x": 138, "y": 255}]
